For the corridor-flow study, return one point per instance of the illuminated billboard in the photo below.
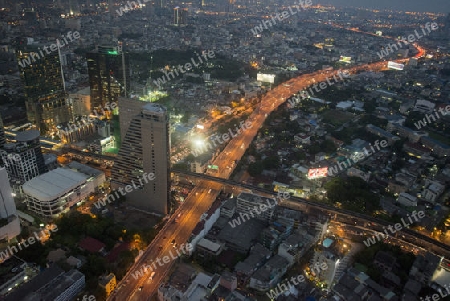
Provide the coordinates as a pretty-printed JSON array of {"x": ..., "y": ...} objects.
[
  {"x": 395, "y": 66},
  {"x": 315, "y": 173},
  {"x": 345, "y": 59},
  {"x": 265, "y": 78}
]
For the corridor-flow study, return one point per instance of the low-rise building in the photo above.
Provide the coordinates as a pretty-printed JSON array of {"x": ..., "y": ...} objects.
[
  {"x": 424, "y": 268},
  {"x": 269, "y": 274},
  {"x": 228, "y": 208},
  {"x": 228, "y": 280},
  {"x": 246, "y": 203},
  {"x": 302, "y": 138},
  {"x": 406, "y": 199},
  {"x": 355, "y": 172},
  {"x": 244, "y": 269},
  {"x": 91, "y": 245},
  {"x": 205, "y": 224},
  {"x": 403, "y": 131},
  {"x": 178, "y": 283},
  {"x": 277, "y": 231},
  {"x": 52, "y": 284},
  {"x": 13, "y": 274},
  {"x": 295, "y": 246},
  {"x": 207, "y": 248},
  {"x": 438, "y": 148},
  {"x": 108, "y": 283},
  {"x": 56, "y": 191},
  {"x": 382, "y": 133},
  {"x": 433, "y": 190}
]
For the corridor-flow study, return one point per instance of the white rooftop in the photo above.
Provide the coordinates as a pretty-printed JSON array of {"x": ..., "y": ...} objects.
[
  {"x": 53, "y": 184},
  {"x": 207, "y": 244}
]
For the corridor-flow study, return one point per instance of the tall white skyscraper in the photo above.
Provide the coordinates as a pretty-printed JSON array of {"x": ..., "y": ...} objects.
[
  {"x": 8, "y": 212},
  {"x": 7, "y": 205}
]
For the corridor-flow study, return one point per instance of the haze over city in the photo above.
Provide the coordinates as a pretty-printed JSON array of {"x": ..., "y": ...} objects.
[{"x": 438, "y": 6}]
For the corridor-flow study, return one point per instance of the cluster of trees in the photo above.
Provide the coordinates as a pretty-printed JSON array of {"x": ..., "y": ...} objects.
[
  {"x": 353, "y": 193},
  {"x": 403, "y": 260},
  {"x": 270, "y": 162},
  {"x": 219, "y": 66},
  {"x": 75, "y": 226}
]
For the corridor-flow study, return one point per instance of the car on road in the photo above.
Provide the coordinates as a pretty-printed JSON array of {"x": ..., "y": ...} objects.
[{"x": 151, "y": 275}]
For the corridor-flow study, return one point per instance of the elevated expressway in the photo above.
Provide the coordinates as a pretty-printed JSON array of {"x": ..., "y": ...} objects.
[{"x": 340, "y": 215}]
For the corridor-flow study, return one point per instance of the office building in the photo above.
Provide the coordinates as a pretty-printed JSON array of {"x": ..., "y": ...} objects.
[
  {"x": 246, "y": 203},
  {"x": 180, "y": 16},
  {"x": 46, "y": 101},
  {"x": 9, "y": 280},
  {"x": 52, "y": 284},
  {"x": 23, "y": 159},
  {"x": 10, "y": 225},
  {"x": 81, "y": 102},
  {"x": 145, "y": 149},
  {"x": 108, "y": 69}
]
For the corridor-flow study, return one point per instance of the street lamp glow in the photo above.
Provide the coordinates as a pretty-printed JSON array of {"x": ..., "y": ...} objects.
[{"x": 199, "y": 143}]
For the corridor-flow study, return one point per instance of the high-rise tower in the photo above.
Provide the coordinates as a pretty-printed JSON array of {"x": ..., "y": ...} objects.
[
  {"x": 23, "y": 159},
  {"x": 145, "y": 149},
  {"x": 46, "y": 100},
  {"x": 180, "y": 16},
  {"x": 10, "y": 226},
  {"x": 108, "y": 69}
]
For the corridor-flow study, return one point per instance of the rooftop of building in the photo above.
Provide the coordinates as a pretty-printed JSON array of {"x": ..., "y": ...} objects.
[
  {"x": 53, "y": 184},
  {"x": 35, "y": 284},
  {"x": 154, "y": 108},
  {"x": 242, "y": 236},
  {"x": 209, "y": 245},
  {"x": 104, "y": 280},
  {"x": 229, "y": 204},
  {"x": 85, "y": 169},
  {"x": 258, "y": 254},
  {"x": 275, "y": 265},
  {"x": 26, "y": 136},
  {"x": 91, "y": 245},
  {"x": 60, "y": 285},
  {"x": 182, "y": 277}
]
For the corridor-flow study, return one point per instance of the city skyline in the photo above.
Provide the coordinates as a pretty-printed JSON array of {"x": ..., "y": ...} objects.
[{"x": 437, "y": 6}]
